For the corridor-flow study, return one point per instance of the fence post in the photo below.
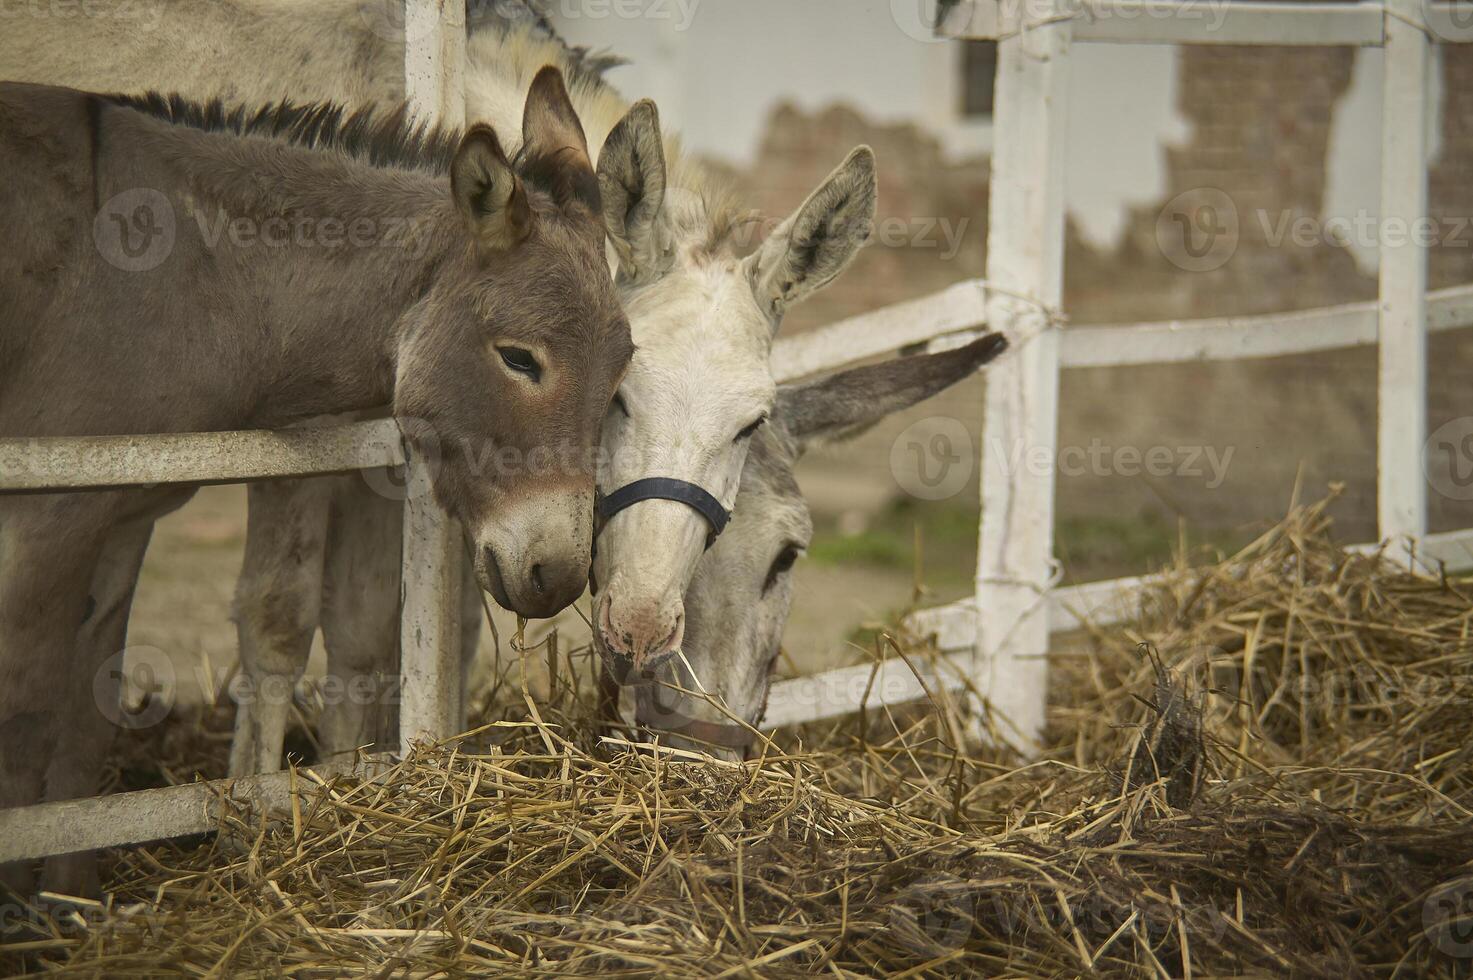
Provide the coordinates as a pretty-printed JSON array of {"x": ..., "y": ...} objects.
[
  {"x": 429, "y": 625},
  {"x": 1025, "y": 241},
  {"x": 434, "y": 59},
  {"x": 429, "y": 622},
  {"x": 1401, "y": 414}
]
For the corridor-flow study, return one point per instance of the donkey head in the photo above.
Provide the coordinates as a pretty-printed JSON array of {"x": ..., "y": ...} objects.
[
  {"x": 738, "y": 601},
  {"x": 699, "y": 387},
  {"x": 513, "y": 354}
]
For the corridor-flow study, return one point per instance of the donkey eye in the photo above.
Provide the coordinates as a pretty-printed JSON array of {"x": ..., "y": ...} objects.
[
  {"x": 750, "y": 428},
  {"x": 781, "y": 565},
  {"x": 619, "y": 404},
  {"x": 521, "y": 361}
]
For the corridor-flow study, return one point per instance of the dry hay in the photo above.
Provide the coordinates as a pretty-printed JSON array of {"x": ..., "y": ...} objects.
[{"x": 1282, "y": 789}]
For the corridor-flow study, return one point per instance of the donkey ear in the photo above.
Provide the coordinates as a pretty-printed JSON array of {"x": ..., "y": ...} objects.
[
  {"x": 631, "y": 180},
  {"x": 555, "y": 148},
  {"x": 840, "y": 406},
  {"x": 487, "y": 193},
  {"x": 811, "y": 247}
]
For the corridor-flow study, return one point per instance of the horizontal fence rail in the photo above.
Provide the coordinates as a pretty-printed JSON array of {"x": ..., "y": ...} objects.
[
  {"x": 124, "y": 819},
  {"x": 955, "y": 316},
  {"x": 1239, "y": 338},
  {"x": 1201, "y": 22},
  {"x": 1115, "y": 600},
  {"x": 955, "y": 308},
  {"x": 82, "y": 462}
]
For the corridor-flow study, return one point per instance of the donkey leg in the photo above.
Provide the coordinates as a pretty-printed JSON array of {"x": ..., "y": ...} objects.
[
  {"x": 360, "y": 618},
  {"x": 278, "y": 599},
  {"x": 49, "y": 546},
  {"x": 84, "y": 741}
]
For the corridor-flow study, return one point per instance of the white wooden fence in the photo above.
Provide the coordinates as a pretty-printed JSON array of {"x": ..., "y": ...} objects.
[{"x": 997, "y": 638}]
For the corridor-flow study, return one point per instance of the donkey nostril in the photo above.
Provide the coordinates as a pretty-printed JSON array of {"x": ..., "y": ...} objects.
[
  {"x": 537, "y": 579},
  {"x": 668, "y": 643}
]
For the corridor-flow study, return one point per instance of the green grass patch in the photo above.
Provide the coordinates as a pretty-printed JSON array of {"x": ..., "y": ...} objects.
[{"x": 1090, "y": 548}]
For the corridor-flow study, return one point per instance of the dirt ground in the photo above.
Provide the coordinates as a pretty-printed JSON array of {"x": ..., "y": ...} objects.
[{"x": 184, "y": 598}]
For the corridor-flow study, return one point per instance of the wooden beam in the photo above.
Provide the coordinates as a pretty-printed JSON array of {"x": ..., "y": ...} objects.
[
  {"x": 79, "y": 462},
  {"x": 880, "y": 331},
  {"x": 124, "y": 819},
  {"x": 434, "y": 60},
  {"x": 1401, "y": 430},
  {"x": 429, "y": 619},
  {"x": 842, "y": 691},
  {"x": 1192, "y": 22},
  {"x": 429, "y": 624},
  {"x": 1025, "y": 258},
  {"x": 1115, "y": 600},
  {"x": 1243, "y": 337}
]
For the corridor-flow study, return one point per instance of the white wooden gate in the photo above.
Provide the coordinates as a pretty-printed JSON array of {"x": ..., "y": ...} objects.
[{"x": 997, "y": 638}]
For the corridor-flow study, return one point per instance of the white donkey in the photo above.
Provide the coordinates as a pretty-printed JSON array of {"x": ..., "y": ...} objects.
[
  {"x": 739, "y": 598},
  {"x": 702, "y": 318}
]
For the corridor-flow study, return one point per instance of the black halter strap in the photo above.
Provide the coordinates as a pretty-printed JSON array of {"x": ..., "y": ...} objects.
[{"x": 667, "y": 488}]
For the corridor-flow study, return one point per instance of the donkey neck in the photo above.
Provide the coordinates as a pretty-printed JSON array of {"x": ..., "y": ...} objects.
[{"x": 314, "y": 256}]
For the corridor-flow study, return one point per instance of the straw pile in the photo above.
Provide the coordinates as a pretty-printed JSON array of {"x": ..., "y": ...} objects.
[{"x": 1265, "y": 772}]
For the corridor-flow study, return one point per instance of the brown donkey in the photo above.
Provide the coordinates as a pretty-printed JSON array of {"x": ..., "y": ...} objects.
[{"x": 174, "y": 267}]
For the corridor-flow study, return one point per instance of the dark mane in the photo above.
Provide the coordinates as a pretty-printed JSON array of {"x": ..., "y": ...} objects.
[
  {"x": 390, "y": 137},
  {"x": 582, "y": 64}
]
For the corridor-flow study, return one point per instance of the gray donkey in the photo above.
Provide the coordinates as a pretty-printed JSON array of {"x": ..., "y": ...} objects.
[
  {"x": 326, "y": 551},
  {"x": 171, "y": 266}
]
